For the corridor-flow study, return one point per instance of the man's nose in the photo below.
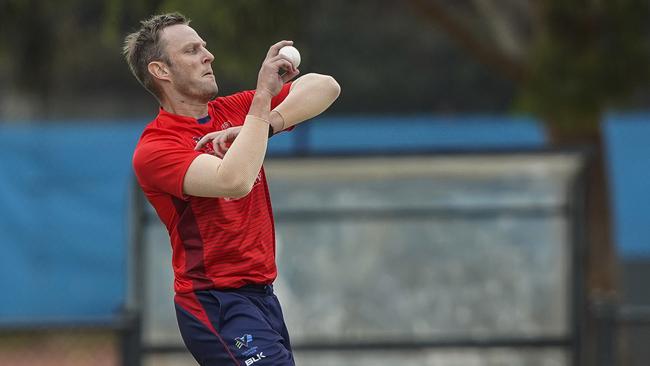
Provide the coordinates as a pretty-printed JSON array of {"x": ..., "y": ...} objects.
[{"x": 208, "y": 57}]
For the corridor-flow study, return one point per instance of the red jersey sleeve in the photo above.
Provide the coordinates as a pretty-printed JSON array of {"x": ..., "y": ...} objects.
[
  {"x": 240, "y": 103},
  {"x": 160, "y": 163},
  {"x": 281, "y": 95}
]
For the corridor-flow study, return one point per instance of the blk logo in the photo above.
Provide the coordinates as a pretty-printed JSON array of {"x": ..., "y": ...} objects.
[{"x": 255, "y": 358}]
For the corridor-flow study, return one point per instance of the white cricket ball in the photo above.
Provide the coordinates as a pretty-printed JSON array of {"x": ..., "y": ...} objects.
[{"x": 292, "y": 53}]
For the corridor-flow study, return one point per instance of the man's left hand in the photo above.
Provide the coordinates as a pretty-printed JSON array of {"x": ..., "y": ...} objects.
[{"x": 220, "y": 140}]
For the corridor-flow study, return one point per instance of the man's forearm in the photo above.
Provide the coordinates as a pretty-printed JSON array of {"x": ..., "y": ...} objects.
[
  {"x": 235, "y": 174},
  {"x": 243, "y": 161},
  {"x": 310, "y": 95},
  {"x": 261, "y": 104}
]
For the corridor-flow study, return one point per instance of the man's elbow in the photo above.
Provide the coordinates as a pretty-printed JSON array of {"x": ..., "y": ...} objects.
[
  {"x": 237, "y": 187},
  {"x": 331, "y": 86},
  {"x": 240, "y": 193},
  {"x": 324, "y": 84}
]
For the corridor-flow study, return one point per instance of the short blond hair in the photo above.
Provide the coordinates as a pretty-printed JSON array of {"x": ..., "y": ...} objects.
[{"x": 144, "y": 46}]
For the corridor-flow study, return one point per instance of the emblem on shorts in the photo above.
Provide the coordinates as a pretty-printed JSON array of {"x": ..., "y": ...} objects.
[
  {"x": 246, "y": 348},
  {"x": 243, "y": 341}
]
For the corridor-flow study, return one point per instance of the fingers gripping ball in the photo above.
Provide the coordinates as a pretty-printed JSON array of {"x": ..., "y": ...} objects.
[{"x": 292, "y": 53}]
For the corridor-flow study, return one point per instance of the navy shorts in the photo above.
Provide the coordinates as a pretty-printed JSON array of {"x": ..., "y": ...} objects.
[{"x": 234, "y": 327}]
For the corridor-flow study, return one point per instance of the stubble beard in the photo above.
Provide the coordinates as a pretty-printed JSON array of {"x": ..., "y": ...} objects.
[
  {"x": 211, "y": 93},
  {"x": 201, "y": 91}
]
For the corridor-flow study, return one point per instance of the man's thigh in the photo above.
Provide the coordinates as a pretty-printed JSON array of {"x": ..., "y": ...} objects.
[{"x": 225, "y": 328}]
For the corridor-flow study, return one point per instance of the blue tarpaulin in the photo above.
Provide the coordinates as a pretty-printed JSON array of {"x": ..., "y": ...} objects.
[{"x": 64, "y": 189}]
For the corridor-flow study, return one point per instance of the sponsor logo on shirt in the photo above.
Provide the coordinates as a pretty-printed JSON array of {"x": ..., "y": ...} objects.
[{"x": 258, "y": 180}]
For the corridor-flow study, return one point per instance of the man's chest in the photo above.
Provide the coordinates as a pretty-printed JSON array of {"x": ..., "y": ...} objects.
[{"x": 216, "y": 123}]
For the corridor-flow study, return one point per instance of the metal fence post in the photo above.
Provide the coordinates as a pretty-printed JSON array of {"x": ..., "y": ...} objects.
[
  {"x": 605, "y": 312},
  {"x": 130, "y": 341},
  {"x": 131, "y": 335}
]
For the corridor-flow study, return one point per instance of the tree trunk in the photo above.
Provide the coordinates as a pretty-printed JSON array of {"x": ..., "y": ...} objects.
[{"x": 601, "y": 261}]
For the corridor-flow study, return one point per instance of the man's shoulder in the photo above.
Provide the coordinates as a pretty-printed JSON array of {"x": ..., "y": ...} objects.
[
  {"x": 162, "y": 125},
  {"x": 160, "y": 131}
]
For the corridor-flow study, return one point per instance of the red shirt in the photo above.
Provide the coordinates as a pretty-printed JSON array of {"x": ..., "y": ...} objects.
[{"x": 216, "y": 242}]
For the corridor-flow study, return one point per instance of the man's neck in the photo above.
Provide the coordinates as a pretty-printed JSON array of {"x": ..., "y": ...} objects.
[{"x": 184, "y": 107}]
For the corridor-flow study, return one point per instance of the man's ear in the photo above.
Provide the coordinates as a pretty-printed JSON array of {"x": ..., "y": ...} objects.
[{"x": 158, "y": 70}]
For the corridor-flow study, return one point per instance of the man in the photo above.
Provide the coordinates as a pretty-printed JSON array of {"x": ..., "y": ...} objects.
[{"x": 199, "y": 162}]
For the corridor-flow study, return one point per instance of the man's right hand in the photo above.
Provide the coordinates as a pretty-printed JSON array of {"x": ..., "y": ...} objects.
[{"x": 269, "y": 79}]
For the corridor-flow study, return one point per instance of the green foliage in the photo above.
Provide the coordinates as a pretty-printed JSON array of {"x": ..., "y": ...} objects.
[
  {"x": 589, "y": 56},
  {"x": 77, "y": 43},
  {"x": 239, "y": 33},
  {"x": 46, "y": 42}
]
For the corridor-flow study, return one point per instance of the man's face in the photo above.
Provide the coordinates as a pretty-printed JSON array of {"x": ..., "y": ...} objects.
[{"x": 191, "y": 63}]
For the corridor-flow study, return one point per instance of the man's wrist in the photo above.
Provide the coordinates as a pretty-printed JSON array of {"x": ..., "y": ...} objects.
[
  {"x": 263, "y": 93},
  {"x": 276, "y": 120},
  {"x": 252, "y": 117},
  {"x": 261, "y": 103}
]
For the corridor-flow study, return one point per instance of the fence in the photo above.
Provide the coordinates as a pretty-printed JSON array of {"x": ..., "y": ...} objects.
[
  {"x": 38, "y": 260},
  {"x": 490, "y": 245}
]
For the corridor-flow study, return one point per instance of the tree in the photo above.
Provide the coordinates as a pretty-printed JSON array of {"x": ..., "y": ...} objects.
[
  {"x": 240, "y": 32},
  {"x": 72, "y": 48},
  {"x": 571, "y": 61}
]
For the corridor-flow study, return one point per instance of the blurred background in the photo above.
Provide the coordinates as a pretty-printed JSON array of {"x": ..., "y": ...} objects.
[{"x": 496, "y": 213}]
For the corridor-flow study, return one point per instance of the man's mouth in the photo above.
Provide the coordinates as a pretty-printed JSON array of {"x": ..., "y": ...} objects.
[{"x": 209, "y": 73}]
